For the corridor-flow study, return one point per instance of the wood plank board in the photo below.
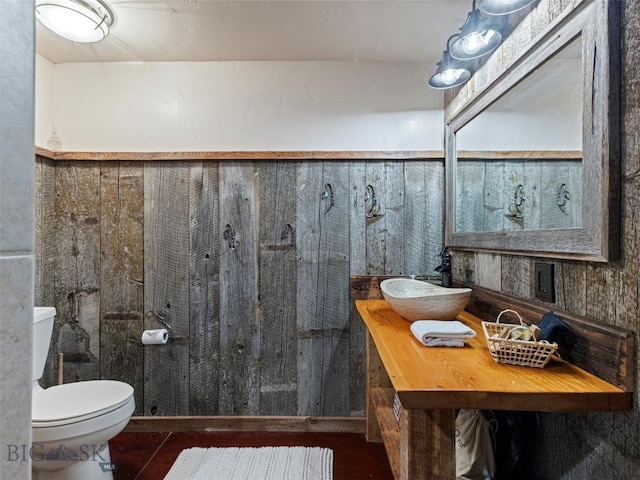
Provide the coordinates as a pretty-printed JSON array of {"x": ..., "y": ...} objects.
[
  {"x": 427, "y": 444},
  {"x": 377, "y": 377},
  {"x": 322, "y": 288},
  {"x": 469, "y": 198},
  {"x": 385, "y": 218},
  {"x": 357, "y": 264},
  {"x": 242, "y": 423},
  {"x": 423, "y": 216},
  {"x": 204, "y": 289},
  {"x": 121, "y": 275},
  {"x": 277, "y": 289},
  {"x": 239, "y": 329},
  {"x": 77, "y": 273},
  {"x": 275, "y": 155},
  {"x": 45, "y": 246},
  {"x": 166, "y": 286}
]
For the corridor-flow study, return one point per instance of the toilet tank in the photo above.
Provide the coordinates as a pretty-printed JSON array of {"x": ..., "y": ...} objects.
[{"x": 42, "y": 328}]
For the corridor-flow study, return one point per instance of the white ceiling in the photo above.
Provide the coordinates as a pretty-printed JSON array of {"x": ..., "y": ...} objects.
[{"x": 399, "y": 31}]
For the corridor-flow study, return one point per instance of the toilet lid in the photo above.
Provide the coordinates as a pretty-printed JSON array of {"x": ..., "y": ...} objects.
[{"x": 79, "y": 400}]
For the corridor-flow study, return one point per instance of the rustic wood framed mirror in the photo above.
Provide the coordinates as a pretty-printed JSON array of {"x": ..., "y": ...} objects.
[{"x": 532, "y": 159}]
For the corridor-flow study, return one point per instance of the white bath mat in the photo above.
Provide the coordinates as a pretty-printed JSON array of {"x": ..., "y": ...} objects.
[{"x": 246, "y": 463}]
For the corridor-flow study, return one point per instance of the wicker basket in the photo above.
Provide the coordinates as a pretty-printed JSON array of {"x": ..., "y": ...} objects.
[{"x": 503, "y": 349}]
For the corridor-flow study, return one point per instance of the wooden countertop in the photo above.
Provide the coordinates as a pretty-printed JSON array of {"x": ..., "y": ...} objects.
[{"x": 449, "y": 377}]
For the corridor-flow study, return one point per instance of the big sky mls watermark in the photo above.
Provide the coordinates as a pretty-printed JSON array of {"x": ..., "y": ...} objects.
[{"x": 39, "y": 453}]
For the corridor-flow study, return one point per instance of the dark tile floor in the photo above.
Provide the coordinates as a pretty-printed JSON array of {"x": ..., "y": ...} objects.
[{"x": 149, "y": 456}]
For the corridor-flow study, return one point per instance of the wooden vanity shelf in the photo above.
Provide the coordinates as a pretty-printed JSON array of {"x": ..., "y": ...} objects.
[{"x": 432, "y": 383}]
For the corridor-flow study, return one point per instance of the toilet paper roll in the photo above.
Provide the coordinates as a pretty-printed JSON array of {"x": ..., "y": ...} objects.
[{"x": 155, "y": 337}]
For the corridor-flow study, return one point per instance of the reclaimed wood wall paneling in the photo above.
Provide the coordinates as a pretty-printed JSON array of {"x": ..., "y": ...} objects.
[{"x": 153, "y": 237}]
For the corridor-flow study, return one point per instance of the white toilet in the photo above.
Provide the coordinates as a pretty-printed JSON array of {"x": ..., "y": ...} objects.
[{"x": 73, "y": 423}]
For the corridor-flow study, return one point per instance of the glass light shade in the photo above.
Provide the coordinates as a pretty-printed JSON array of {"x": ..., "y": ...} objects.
[
  {"x": 503, "y": 7},
  {"x": 476, "y": 38},
  {"x": 449, "y": 73},
  {"x": 76, "y": 20}
]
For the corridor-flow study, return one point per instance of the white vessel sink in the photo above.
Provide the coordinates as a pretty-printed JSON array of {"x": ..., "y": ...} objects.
[{"x": 417, "y": 300}]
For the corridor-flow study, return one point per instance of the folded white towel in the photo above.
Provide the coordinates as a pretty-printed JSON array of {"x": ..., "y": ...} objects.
[
  {"x": 443, "y": 342},
  {"x": 442, "y": 333}
]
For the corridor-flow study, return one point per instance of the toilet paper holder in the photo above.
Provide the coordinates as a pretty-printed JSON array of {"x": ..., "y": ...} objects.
[{"x": 161, "y": 316}]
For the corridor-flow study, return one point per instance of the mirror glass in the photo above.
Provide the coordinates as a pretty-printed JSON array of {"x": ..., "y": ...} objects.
[{"x": 519, "y": 161}]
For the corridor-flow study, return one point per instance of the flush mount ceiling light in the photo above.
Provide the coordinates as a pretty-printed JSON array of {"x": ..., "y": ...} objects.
[
  {"x": 450, "y": 72},
  {"x": 477, "y": 37},
  {"x": 83, "y": 21},
  {"x": 503, "y": 7}
]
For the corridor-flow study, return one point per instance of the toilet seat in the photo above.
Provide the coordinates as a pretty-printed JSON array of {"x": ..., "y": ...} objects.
[{"x": 76, "y": 402}]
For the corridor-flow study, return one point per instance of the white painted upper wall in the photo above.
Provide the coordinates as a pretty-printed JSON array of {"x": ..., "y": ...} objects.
[
  {"x": 237, "y": 106},
  {"x": 43, "y": 100}
]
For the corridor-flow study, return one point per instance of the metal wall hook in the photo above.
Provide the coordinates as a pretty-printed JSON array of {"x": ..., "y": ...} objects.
[
  {"x": 161, "y": 316},
  {"x": 328, "y": 194},
  {"x": 518, "y": 197},
  {"x": 562, "y": 197},
  {"x": 516, "y": 209},
  {"x": 373, "y": 210},
  {"x": 288, "y": 231},
  {"x": 230, "y": 236}
]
